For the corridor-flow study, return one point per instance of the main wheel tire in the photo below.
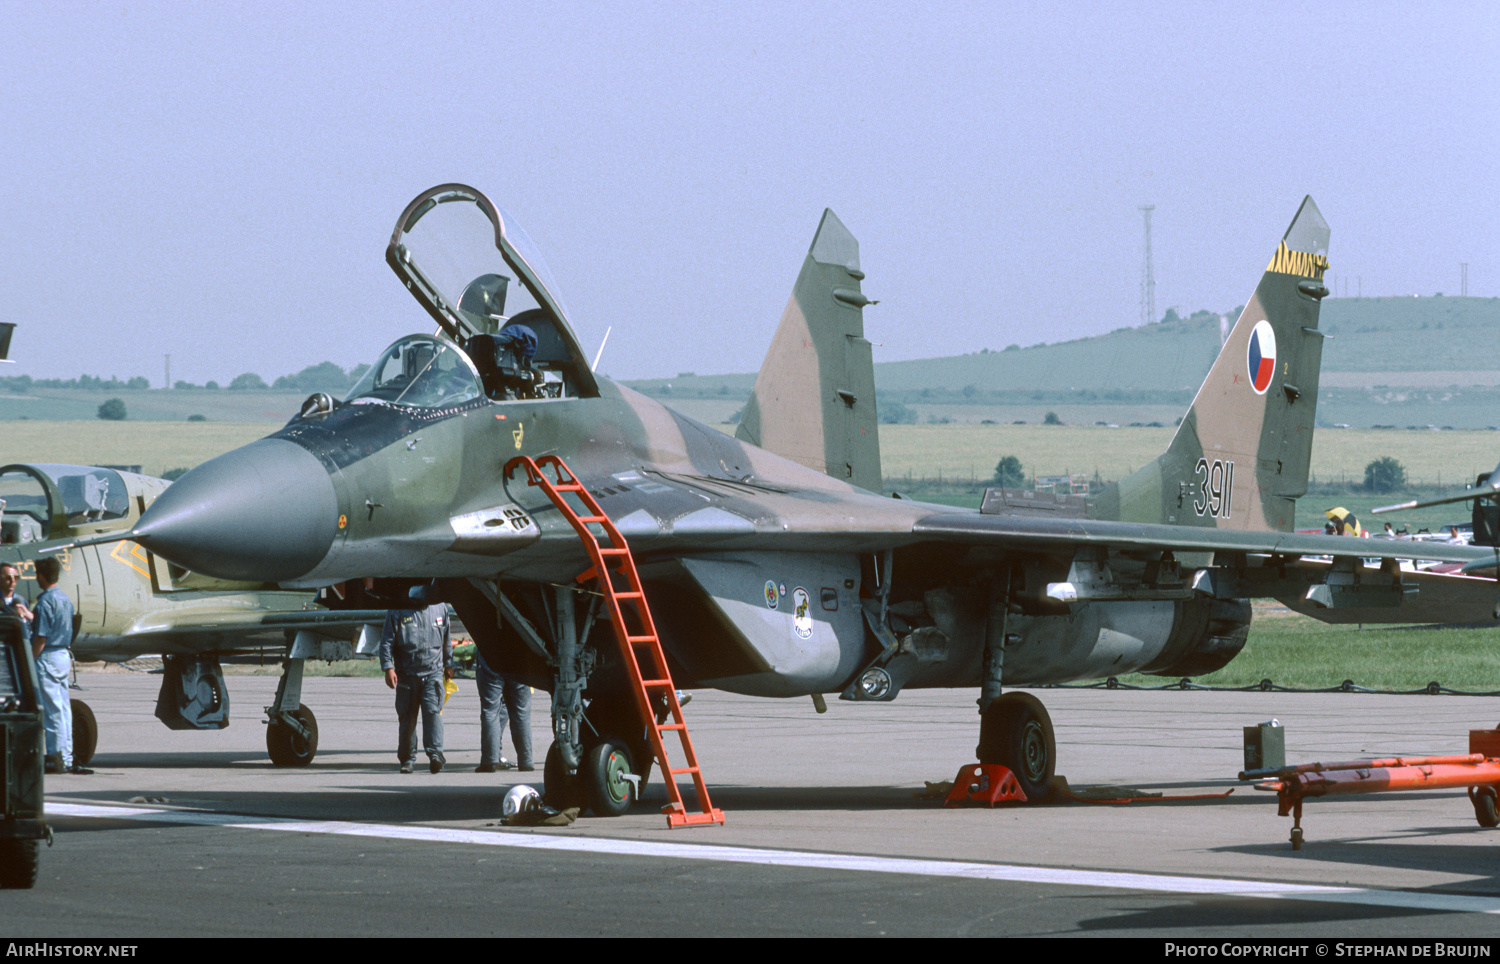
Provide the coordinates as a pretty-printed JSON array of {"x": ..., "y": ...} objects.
[
  {"x": 604, "y": 768},
  {"x": 1485, "y": 810},
  {"x": 18, "y": 863},
  {"x": 287, "y": 747},
  {"x": 1016, "y": 733},
  {"x": 560, "y": 790},
  {"x": 85, "y": 733}
]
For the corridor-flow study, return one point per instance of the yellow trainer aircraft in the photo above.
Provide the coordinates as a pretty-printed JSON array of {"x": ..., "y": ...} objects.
[{"x": 131, "y": 602}]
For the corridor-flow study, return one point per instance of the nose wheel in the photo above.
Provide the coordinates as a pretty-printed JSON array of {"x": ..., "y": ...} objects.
[
  {"x": 1016, "y": 732},
  {"x": 606, "y": 781},
  {"x": 289, "y": 748}
]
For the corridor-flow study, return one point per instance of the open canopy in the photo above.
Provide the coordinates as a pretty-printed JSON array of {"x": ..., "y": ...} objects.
[{"x": 475, "y": 271}]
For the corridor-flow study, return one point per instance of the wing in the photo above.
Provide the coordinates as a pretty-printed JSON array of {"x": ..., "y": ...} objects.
[
  {"x": 1055, "y": 535},
  {"x": 222, "y": 626}
]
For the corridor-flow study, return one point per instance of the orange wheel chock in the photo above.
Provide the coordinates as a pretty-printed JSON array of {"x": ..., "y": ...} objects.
[{"x": 984, "y": 785}]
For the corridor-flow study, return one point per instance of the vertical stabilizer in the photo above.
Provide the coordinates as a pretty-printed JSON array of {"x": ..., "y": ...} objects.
[
  {"x": 1240, "y": 457},
  {"x": 814, "y": 399}
]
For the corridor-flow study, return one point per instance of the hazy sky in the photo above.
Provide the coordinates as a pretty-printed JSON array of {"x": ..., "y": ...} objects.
[{"x": 218, "y": 180}]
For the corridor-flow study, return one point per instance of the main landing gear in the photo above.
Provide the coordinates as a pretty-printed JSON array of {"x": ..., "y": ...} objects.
[
  {"x": 85, "y": 733},
  {"x": 1016, "y": 732}
]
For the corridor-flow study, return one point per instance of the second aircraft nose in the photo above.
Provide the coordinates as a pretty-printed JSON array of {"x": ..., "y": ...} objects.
[{"x": 266, "y": 512}]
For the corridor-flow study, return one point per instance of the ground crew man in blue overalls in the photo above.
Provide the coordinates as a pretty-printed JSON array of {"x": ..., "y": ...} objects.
[
  {"x": 417, "y": 656},
  {"x": 51, "y": 644}
]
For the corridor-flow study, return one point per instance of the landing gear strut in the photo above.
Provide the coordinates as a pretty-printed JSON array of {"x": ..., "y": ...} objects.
[
  {"x": 1014, "y": 728},
  {"x": 292, "y": 730}
]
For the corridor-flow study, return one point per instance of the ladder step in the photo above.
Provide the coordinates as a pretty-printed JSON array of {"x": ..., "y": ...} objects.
[
  {"x": 672, "y": 726},
  {"x": 685, "y": 770},
  {"x": 658, "y": 684}
]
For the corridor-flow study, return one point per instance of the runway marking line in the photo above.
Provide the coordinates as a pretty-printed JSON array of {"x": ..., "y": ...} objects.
[{"x": 963, "y": 870}]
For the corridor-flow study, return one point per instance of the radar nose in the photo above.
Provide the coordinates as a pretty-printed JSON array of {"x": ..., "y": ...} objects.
[{"x": 266, "y": 513}]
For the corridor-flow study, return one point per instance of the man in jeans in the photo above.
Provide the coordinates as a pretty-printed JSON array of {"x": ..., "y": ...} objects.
[
  {"x": 51, "y": 645},
  {"x": 417, "y": 656},
  {"x": 496, "y": 692}
]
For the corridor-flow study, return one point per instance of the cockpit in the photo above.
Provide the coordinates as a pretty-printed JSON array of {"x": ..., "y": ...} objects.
[
  {"x": 34, "y": 498},
  {"x": 420, "y": 371}
]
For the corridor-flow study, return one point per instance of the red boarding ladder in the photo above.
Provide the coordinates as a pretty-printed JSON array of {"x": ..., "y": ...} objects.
[{"x": 612, "y": 563}]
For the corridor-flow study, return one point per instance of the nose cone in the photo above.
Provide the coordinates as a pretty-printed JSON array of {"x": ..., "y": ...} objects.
[{"x": 266, "y": 513}]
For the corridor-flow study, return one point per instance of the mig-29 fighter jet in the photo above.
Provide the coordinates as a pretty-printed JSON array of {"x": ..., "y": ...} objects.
[{"x": 772, "y": 566}]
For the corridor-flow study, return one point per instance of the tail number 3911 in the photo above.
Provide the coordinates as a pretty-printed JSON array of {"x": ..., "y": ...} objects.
[{"x": 1215, "y": 488}]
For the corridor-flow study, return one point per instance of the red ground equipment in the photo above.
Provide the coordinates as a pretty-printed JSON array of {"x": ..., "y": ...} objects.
[
  {"x": 984, "y": 785},
  {"x": 1478, "y": 771}
]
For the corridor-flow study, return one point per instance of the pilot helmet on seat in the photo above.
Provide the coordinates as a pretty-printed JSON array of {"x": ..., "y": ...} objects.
[
  {"x": 504, "y": 361},
  {"x": 520, "y": 341}
]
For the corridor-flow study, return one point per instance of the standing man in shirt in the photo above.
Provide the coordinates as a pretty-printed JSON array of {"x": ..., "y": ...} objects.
[
  {"x": 417, "y": 656},
  {"x": 10, "y": 601},
  {"x": 51, "y": 644}
]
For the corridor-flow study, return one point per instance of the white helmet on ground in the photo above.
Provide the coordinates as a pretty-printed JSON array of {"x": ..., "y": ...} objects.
[{"x": 519, "y": 800}]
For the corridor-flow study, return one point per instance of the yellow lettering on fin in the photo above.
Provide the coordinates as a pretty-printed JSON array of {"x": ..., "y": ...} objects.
[{"x": 1287, "y": 261}]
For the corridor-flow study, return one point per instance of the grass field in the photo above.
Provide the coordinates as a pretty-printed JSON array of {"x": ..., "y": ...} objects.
[
  {"x": 155, "y": 446},
  {"x": 955, "y": 452},
  {"x": 971, "y": 451}
]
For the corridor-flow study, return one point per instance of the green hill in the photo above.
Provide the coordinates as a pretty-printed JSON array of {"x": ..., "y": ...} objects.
[
  {"x": 1403, "y": 362},
  {"x": 1435, "y": 334}
]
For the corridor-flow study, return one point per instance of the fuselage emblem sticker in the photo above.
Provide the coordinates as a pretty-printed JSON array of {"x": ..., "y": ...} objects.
[
  {"x": 772, "y": 596},
  {"x": 1260, "y": 356},
  {"x": 802, "y": 620}
]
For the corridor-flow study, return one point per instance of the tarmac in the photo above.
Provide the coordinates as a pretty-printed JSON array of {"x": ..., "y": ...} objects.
[{"x": 197, "y": 834}]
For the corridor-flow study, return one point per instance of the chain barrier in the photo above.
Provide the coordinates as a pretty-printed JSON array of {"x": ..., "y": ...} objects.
[{"x": 1433, "y": 688}]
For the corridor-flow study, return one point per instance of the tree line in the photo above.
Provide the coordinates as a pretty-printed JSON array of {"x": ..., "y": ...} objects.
[{"x": 324, "y": 377}]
